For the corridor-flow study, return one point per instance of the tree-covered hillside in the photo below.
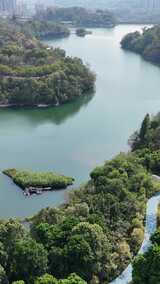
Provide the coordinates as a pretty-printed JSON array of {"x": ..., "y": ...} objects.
[
  {"x": 94, "y": 236},
  {"x": 146, "y": 143},
  {"x": 33, "y": 74},
  {"x": 146, "y": 44},
  {"x": 35, "y": 28},
  {"x": 78, "y": 16},
  {"x": 125, "y": 11}
]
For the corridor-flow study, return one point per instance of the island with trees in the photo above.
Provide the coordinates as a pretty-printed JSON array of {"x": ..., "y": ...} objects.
[
  {"x": 37, "y": 183},
  {"x": 81, "y": 32},
  {"x": 146, "y": 43},
  {"x": 78, "y": 17},
  {"x": 32, "y": 74}
]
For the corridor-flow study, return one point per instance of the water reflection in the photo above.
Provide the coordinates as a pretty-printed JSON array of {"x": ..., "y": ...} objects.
[{"x": 56, "y": 115}]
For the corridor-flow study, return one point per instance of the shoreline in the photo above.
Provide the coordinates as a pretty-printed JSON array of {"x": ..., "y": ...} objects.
[{"x": 25, "y": 106}]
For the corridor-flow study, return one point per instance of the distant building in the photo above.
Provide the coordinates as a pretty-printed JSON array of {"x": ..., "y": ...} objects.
[
  {"x": 8, "y": 7},
  {"x": 22, "y": 9},
  {"x": 150, "y": 4}
]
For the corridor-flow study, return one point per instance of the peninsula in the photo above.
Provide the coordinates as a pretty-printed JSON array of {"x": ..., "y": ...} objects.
[
  {"x": 32, "y": 74},
  {"x": 146, "y": 44}
]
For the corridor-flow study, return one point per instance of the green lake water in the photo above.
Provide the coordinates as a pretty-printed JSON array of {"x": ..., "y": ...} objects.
[{"x": 74, "y": 138}]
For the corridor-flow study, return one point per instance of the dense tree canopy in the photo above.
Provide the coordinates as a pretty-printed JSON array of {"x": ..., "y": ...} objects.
[
  {"x": 30, "y": 260},
  {"x": 146, "y": 268},
  {"x": 107, "y": 227},
  {"x": 33, "y": 74},
  {"x": 95, "y": 234},
  {"x": 146, "y": 43},
  {"x": 146, "y": 143}
]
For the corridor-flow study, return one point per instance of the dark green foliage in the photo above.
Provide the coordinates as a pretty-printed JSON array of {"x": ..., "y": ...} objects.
[
  {"x": 27, "y": 179},
  {"x": 3, "y": 277},
  {"x": 30, "y": 260},
  {"x": 146, "y": 267},
  {"x": 144, "y": 131},
  {"x": 155, "y": 238},
  {"x": 142, "y": 139},
  {"x": 33, "y": 74},
  {"x": 150, "y": 159},
  {"x": 10, "y": 233},
  {"x": 145, "y": 143},
  {"x": 147, "y": 44}
]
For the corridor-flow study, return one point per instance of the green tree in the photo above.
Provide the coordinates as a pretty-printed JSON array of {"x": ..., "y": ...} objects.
[
  {"x": 155, "y": 238},
  {"x": 144, "y": 131},
  {"x": 146, "y": 267},
  {"x": 73, "y": 279},
  {"x": 46, "y": 279},
  {"x": 30, "y": 260}
]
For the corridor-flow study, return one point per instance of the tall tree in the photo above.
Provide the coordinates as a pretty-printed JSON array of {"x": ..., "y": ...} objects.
[{"x": 144, "y": 131}]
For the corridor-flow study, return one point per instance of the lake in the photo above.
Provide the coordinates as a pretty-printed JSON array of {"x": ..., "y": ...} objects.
[{"x": 76, "y": 137}]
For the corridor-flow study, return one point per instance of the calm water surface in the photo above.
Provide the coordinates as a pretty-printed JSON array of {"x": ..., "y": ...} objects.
[{"x": 76, "y": 137}]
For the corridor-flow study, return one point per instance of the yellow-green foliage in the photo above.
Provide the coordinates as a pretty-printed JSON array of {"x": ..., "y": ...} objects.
[{"x": 49, "y": 179}]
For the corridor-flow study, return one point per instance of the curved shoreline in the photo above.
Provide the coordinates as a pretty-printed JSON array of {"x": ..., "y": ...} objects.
[{"x": 150, "y": 228}]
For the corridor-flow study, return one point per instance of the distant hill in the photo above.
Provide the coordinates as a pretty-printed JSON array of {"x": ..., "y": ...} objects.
[
  {"x": 126, "y": 11},
  {"x": 78, "y": 16}
]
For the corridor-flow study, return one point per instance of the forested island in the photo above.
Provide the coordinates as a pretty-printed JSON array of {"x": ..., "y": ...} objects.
[
  {"x": 146, "y": 43},
  {"x": 78, "y": 16},
  {"x": 32, "y": 74},
  {"x": 37, "y": 183},
  {"x": 82, "y": 32},
  {"x": 94, "y": 236}
]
